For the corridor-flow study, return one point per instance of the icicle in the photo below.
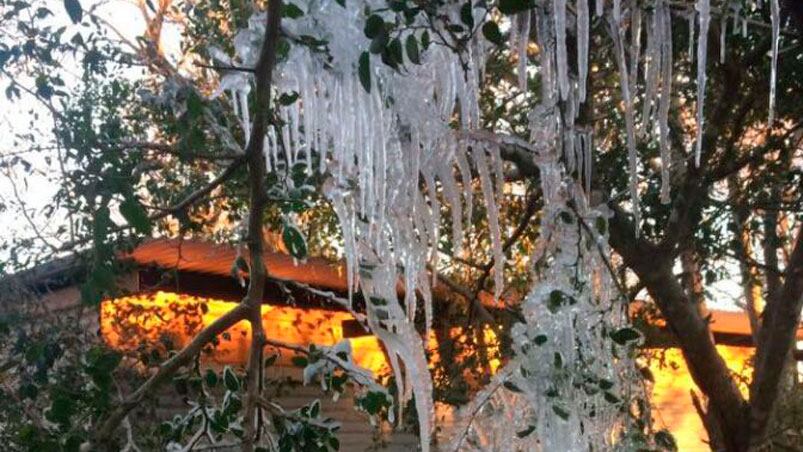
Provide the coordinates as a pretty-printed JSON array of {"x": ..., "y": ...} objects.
[
  {"x": 582, "y": 47},
  {"x": 722, "y": 38},
  {"x": 599, "y": 5},
  {"x": 652, "y": 70},
  {"x": 635, "y": 45},
  {"x": 480, "y": 161},
  {"x": 703, "y": 7},
  {"x": 776, "y": 29},
  {"x": 523, "y": 41},
  {"x": 666, "y": 100},
  {"x": 692, "y": 16},
  {"x": 559, "y": 7},
  {"x": 632, "y": 157}
]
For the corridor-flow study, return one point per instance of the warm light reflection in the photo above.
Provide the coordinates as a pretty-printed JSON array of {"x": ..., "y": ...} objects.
[
  {"x": 672, "y": 404},
  {"x": 163, "y": 321}
]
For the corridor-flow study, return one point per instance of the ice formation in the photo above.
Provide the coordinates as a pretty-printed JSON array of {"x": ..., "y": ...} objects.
[
  {"x": 386, "y": 143},
  {"x": 704, "y": 12}
]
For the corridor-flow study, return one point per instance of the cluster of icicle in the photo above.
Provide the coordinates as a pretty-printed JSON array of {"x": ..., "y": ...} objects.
[
  {"x": 391, "y": 159},
  {"x": 390, "y": 156}
]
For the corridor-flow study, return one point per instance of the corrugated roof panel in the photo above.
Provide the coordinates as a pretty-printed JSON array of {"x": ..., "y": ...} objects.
[{"x": 215, "y": 259}]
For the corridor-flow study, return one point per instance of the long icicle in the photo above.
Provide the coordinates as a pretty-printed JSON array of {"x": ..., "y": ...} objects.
[
  {"x": 666, "y": 99},
  {"x": 632, "y": 158},
  {"x": 776, "y": 28},
  {"x": 582, "y": 48},
  {"x": 704, "y": 10}
]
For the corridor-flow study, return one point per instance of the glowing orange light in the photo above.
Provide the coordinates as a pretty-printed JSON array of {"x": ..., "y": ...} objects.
[
  {"x": 164, "y": 321},
  {"x": 673, "y": 408}
]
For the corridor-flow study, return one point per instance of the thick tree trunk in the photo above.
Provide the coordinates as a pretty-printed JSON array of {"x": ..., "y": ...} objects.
[{"x": 709, "y": 371}]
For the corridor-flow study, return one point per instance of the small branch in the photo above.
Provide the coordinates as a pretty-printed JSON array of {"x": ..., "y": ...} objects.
[{"x": 107, "y": 428}]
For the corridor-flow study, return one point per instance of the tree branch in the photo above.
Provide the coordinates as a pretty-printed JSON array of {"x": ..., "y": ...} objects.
[
  {"x": 263, "y": 74},
  {"x": 103, "y": 434},
  {"x": 781, "y": 320}
]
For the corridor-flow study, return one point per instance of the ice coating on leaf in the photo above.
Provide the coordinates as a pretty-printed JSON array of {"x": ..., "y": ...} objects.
[{"x": 704, "y": 9}]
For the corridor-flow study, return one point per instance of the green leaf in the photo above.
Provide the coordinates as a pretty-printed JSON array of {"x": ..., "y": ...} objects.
[
  {"x": 625, "y": 335},
  {"x": 60, "y": 410},
  {"x": 135, "y": 215},
  {"x": 411, "y": 46},
  {"x": 540, "y": 339},
  {"x": 605, "y": 384},
  {"x": 377, "y": 301},
  {"x": 74, "y": 10},
  {"x": 465, "y": 15},
  {"x": 230, "y": 380},
  {"x": 288, "y": 98},
  {"x": 364, "y": 71},
  {"x": 514, "y": 6},
  {"x": 300, "y": 361},
  {"x": 601, "y": 225},
  {"x": 395, "y": 51},
  {"x": 294, "y": 241},
  {"x": 291, "y": 11},
  {"x": 211, "y": 378},
  {"x": 491, "y": 32},
  {"x": 341, "y": 3},
  {"x": 526, "y": 432},
  {"x": 557, "y": 299},
  {"x": 610, "y": 398},
  {"x": 425, "y": 40},
  {"x": 374, "y": 26},
  {"x": 665, "y": 440},
  {"x": 562, "y": 413}
]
